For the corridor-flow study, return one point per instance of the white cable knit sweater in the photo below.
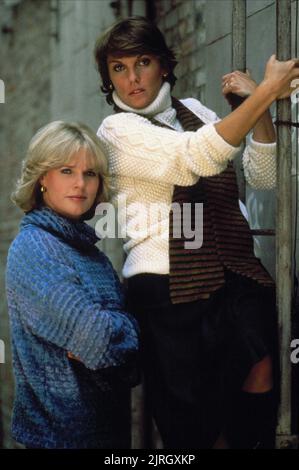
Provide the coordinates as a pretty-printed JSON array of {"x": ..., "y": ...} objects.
[{"x": 146, "y": 161}]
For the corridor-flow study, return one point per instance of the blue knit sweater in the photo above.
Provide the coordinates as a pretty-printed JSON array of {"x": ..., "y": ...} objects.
[{"x": 64, "y": 295}]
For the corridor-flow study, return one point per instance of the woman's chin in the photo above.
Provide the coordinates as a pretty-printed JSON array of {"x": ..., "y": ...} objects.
[{"x": 139, "y": 101}]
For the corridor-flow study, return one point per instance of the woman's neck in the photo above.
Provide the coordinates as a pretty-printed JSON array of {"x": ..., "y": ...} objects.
[{"x": 160, "y": 103}]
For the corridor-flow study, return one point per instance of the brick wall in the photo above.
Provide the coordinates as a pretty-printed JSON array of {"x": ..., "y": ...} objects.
[
  {"x": 24, "y": 58},
  {"x": 182, "y": 22},
  {"x": 46, "y": 57}
]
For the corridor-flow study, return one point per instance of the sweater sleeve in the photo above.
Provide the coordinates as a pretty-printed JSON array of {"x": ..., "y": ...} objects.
[
  {"x": 259, "y": 159},
  {"x": 259, "y": 162},
  {"x": 139, "y": 149},
  {"x": 55, "y": 306}
]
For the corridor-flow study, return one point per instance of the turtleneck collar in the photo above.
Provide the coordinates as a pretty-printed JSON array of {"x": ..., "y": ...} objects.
[
  {"x": 159, "y": 105},
  {"x": 76, "y": 233}
]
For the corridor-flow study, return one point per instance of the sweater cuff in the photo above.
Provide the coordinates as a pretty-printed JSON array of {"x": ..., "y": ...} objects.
[
  {"x": 262, "y": 147},
  {"x": 223, "y": 151}
]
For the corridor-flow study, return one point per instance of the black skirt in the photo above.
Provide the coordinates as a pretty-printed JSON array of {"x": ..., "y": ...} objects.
[{"x": 195, "y": 355}]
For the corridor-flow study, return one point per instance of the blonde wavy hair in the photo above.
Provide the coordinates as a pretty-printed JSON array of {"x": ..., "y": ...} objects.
[{"x": 52, "y": 147}]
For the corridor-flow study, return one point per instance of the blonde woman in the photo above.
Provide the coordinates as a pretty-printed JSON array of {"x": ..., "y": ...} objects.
[{"x": 74, "y": 347}]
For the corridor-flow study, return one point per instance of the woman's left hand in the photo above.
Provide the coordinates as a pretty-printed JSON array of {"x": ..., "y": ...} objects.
[{"x": 239, "y": 83}]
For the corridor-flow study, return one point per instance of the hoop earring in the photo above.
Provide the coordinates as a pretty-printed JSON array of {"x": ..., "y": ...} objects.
[{"x": 43, "y": 189}]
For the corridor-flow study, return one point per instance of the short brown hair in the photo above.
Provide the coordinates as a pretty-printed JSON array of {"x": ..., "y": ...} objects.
[{"x": 132, "y": 36}]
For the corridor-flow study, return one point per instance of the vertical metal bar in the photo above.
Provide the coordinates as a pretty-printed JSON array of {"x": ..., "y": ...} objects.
[
  {"x": 239, "y": 63},
  {"x": 284, "y": 224},
  {"x": 239, "y": 35}
]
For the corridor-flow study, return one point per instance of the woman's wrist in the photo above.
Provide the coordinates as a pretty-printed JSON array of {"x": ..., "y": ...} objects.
[
  {"x": 253, "y": 90},
  {"x": 264, "y": 131},
  {"x": 268, "y": 89}
]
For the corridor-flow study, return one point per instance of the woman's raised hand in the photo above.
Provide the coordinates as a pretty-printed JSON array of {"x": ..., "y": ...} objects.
[
  {"x": 279, "y": 76},
  {"x": 279, "y": 82},
  {"x": 239, "y": 83}
]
